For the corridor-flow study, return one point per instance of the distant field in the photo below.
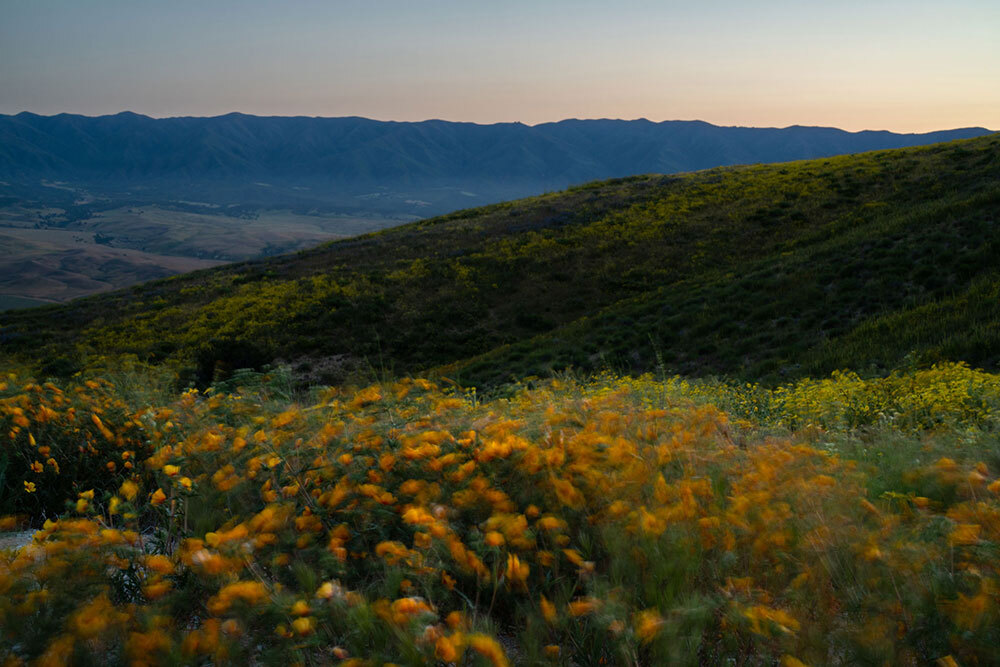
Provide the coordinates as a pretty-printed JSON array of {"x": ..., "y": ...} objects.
[
  {"x": 214, "y": 236},
  {"x": 45, "y": 265},
  {"x": 47, "y": 255},
  {"x": 12, "y": 302}
]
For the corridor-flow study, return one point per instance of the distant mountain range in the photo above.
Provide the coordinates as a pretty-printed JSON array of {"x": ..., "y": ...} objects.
[{"x": 356, "y": 164}]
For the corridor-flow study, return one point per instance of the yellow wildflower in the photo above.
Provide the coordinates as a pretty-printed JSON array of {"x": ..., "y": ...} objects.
[
  {"x": 791, "y": 661},
  {"x": 129, "y": 489},
  {"x": 582, "y": 607},
  {"x": 964, "y": 534},
  {"x": 304, "y": 626},
  {"x": 548, "y": 610}
]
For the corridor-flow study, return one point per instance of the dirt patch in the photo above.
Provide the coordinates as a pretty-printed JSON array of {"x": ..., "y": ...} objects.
[{"x": 14, "y": 541}]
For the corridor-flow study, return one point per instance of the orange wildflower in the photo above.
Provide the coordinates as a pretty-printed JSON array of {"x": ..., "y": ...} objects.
[
  {"x": 648, "y": 624},
  {"x": 516, "y": 572},
  {"x": 964, "y": 534},
  {"x": 548, "y": 610},
  {"x": 488, "y": 647},
  {"x": 159, "y": 564},
  {"x": 447, "y": 649},
  {"x": 582, "y": 607}
]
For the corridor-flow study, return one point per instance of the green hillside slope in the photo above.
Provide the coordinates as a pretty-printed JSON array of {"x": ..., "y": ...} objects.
[
  {"x": 760, "y": 270},
  {"x": 913, "y": 279}
]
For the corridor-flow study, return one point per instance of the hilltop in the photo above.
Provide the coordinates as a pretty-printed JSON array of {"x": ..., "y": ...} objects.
[{"x": 761, "y": 271}]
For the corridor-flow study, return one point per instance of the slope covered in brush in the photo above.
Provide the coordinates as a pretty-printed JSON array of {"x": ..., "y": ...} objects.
[
  {"x": 916, "y": 283},
  {"x": 748, "y": 270}
]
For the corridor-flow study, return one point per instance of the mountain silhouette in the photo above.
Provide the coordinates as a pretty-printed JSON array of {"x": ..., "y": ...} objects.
[{"x": 425, "y": 167}]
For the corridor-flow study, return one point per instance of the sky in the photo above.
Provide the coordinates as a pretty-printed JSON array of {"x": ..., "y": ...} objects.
[{"x": 906, "y": 66}]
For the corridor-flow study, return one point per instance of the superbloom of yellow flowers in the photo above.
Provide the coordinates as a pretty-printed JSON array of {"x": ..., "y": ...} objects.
[{"x": 615, "y": 521}]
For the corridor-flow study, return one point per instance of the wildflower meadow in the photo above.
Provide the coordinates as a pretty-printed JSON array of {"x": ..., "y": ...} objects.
[{"x": 595, "y": 521}]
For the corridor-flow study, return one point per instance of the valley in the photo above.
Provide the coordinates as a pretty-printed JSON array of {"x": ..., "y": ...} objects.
[{"x": 51, "y": 255}]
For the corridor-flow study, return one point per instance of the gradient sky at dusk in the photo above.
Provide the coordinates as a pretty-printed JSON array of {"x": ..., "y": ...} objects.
[{"x": 898, "y": 65}]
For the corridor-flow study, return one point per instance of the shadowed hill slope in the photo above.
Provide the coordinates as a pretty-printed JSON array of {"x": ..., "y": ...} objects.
[{"x": 754, "y": 271}]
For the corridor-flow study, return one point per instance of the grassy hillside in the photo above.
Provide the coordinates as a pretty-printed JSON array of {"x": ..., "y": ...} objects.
[
  {"x": 923, "y": 282},
  {"x": 757, "y": 271}
]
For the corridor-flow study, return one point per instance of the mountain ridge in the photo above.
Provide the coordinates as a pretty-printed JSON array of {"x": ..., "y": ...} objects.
[
  {"x": 572, "y": 119},
  {"x": 417, "y": 167}
]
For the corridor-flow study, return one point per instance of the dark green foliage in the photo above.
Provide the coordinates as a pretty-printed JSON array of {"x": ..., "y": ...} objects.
[{"x": 217, "y": 359}]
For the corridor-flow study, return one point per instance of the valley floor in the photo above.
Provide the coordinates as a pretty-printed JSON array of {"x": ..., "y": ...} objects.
[{"x": 47, "y": 256}]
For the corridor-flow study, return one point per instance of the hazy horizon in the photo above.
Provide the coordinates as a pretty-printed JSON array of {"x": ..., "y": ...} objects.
[{"x": 890, "y": 65}]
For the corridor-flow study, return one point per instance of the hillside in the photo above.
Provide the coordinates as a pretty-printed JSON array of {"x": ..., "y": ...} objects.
[
  {"x": 758, "y": 271},
  {"x": 358, "y": 165}
]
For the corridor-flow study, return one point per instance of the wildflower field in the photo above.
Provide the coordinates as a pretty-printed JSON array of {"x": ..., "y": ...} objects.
[{"x": 612, "y": 520}]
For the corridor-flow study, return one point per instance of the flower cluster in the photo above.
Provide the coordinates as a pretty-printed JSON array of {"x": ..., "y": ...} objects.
[
  {"x": 612, "y": 522},
  {"x": 58, "y": 442}
]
